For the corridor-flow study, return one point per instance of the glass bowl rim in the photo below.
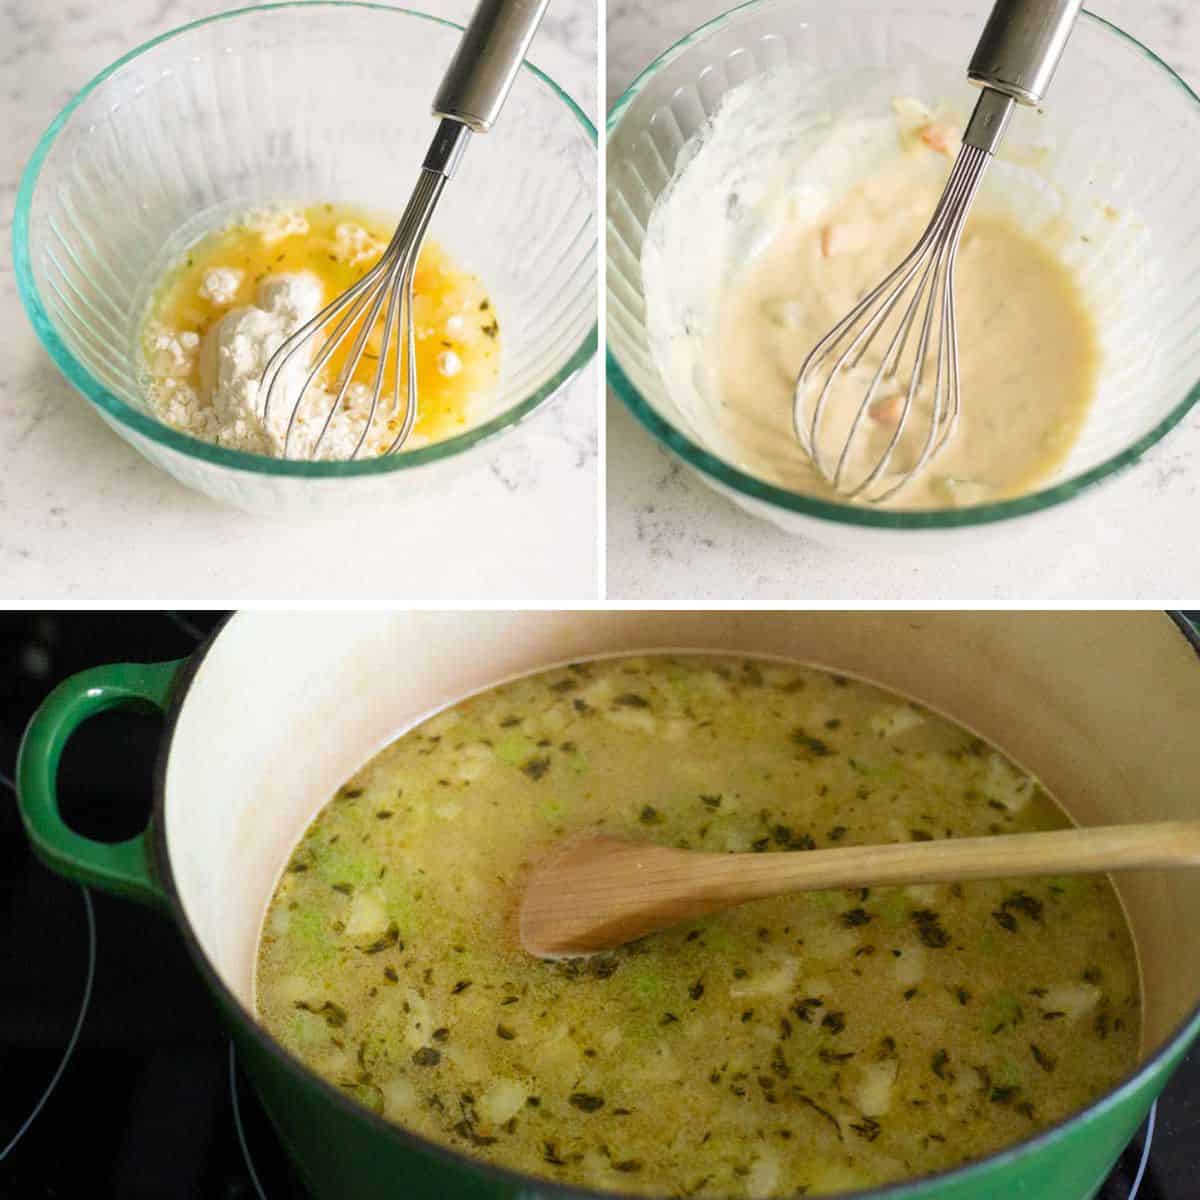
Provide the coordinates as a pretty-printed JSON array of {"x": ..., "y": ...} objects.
[
  {"x": 158, "y": 431},
  {"x": 729, "y": 476}
]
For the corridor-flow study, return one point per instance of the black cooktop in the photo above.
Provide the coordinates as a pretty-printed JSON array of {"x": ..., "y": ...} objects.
[{"x": 116, "y": 1079}]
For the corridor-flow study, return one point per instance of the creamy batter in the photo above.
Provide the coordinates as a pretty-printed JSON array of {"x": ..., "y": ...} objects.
[
  {"x": 794, "y": 202},
  {"x": 1028, "y": 356}
]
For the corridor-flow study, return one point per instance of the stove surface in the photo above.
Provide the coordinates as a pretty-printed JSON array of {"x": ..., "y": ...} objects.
[{"x": 104, "y": 1027}]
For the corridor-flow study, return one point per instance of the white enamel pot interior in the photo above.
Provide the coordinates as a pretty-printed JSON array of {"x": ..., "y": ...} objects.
[{"x": 1103, "y": 707}]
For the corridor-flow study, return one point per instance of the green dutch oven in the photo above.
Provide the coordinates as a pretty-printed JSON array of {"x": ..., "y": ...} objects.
[{"x": 265, "y": 722}]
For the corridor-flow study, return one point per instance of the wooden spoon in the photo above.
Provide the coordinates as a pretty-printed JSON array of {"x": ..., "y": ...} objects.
[{"x": 595, "y": 893}]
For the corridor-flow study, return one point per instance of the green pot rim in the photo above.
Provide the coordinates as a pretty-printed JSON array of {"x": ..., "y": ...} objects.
[
  {"x": 1186, "y": 1030},
  {"x": 904, "y": 521},
  {"x": 257, "y": 464}
]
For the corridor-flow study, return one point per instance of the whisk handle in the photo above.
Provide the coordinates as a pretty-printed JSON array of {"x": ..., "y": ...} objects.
[
  {"x": 491, "y": 50},
  {"x": 1021, "y": 46}
]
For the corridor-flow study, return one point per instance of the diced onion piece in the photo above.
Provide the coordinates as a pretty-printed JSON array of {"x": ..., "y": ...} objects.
[
  {"x": 474, "y": 759},
  {"x": 632, "y": 718},
  {"x": 1074, "y": 999},
  {"x": 399, "y": 1095},
  {"x": 368, "y": 914},
  {"x": 612, "y": 1039},
  {"x": 292, "y": 988},
  {"x": 831, "y": 943},
  {"x": 598, "y": 693},
  {"x": 763, "y": 1179},
  {"x": 767, "y": 983},
  {"x": 875, "y": 1089},
  {"x": 892, "y": 722},
  {"x": 1007, "y": 785},
  {"x": 502, "y": 1101}
]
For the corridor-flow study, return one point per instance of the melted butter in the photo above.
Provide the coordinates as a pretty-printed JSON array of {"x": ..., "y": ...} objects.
[{"x": 457, "y": 334}]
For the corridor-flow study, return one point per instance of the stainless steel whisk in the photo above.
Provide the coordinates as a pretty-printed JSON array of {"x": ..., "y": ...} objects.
[
  {"x": 469, "y": 100},
  {"x": 1014, "y": 62}
]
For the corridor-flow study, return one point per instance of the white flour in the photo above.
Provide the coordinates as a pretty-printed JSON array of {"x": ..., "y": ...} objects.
[
  {"x": 221, "y": 284},
  {"x": 228, "y": 407}
]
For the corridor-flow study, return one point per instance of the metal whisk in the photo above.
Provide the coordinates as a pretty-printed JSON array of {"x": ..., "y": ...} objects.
[
  {"x": 1014, "y": 62},
  {"x": 469, "y": 100}
]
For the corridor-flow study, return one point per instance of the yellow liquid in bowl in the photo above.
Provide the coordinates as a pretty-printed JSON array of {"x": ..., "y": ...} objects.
[{"x": 456, "y": 330}]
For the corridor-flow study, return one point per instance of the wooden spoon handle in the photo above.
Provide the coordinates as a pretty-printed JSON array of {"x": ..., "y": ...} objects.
[
  {"x": 736, "y": 877},
  {"x": 599, "y": 892}
]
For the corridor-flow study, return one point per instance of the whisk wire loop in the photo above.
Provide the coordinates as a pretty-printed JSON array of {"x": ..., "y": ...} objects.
[
  {"x": 472, "y": 93},
  {"x": 387, "y": 288},
  {"x": 918, "y": 295}
]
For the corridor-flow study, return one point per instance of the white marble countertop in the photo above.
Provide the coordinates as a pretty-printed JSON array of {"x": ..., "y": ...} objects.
[
  {"x": 672, "y": 538},
  {"x": 85, "y": 520}
]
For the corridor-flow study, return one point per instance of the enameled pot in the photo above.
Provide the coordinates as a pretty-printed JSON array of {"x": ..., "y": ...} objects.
[{"x": 267, "y": 720}]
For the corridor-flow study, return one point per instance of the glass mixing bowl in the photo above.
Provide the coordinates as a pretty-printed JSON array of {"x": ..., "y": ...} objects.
[
  {"x": 300, "y": 103},
  {"x": 1121, "y": 126}
]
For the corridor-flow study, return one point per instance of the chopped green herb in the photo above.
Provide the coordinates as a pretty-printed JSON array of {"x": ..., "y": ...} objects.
[
  {"x": 835, "y": 1022},
  {"x": 334, "y": 1014},
  {"x": 536, "y": 767},
  {"x": 1046, "y": 1061},
  {"x": 1005, "y": 920},
  {"x": 929, "y": 929},
  {"x": 814, "y": 746}
]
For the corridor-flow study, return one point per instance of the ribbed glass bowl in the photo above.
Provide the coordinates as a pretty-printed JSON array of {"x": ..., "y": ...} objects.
[
  {"x": 1123, "y": 129},
  {"x": 300, "y": 103}
]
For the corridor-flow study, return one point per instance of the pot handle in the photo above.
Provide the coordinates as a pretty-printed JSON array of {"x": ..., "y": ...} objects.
[{"x": 123, "y": 868}]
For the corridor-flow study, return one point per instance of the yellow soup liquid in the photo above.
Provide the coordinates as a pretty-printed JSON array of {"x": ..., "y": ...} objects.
[{"x": 456, "y": 330}]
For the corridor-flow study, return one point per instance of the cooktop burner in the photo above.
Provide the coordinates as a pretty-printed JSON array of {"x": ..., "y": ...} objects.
[{"x": 116, "y": 1079}]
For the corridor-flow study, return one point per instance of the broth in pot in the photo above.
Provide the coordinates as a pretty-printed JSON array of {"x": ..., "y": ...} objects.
[{"x": 802, "y": 1045}]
